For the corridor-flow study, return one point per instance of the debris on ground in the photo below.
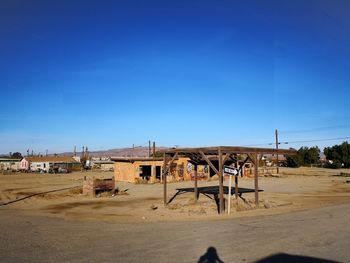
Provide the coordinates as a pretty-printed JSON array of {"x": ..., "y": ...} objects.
[
  {"x": 120, "y": 192},
  {"x": 153, "y": 207},
  {"x": 174, "y": 206}
]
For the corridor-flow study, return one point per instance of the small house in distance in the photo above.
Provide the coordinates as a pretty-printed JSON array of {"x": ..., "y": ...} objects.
[
  {"x": 49, "y": 164},
  {"x": 9, "y": 164},
  {"x": 149, "y": 169}
]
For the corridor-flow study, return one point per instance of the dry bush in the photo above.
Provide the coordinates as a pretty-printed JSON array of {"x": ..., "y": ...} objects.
[
  {"x": 240, "y": 205},
  {"x": 76, "y": 191},
  {"x": 174, "y": 206},
  {"x": 141, "y": 181}
]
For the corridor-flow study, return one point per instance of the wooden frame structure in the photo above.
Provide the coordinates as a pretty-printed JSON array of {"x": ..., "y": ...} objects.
[{"x": 219, "y": 155}]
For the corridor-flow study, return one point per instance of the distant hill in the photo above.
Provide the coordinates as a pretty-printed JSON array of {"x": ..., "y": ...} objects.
[{"x": 119, "y": 152}]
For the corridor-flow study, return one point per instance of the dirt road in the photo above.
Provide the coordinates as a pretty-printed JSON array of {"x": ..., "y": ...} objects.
[
  {"x": 321, "y": 233},
  {"x": 297, "y": 189}
]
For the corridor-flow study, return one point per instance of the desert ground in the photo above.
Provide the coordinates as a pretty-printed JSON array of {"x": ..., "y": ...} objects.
[{"x": 302, "y": 212}]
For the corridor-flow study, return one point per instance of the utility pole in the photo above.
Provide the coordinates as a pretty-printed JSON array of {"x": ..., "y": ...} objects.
[
  {"x": 154, "y": 167},
  {"x": 149, "y": 148},
  {"x": 75, "y": 151},
  {"x": 276, "y": 133},
  {"x": 154, "y": 149}
]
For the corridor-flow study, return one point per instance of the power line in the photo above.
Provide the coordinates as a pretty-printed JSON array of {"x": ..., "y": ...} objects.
[
  {"x": 302, "y": 141},
  {"x": 320, "y": 140}
]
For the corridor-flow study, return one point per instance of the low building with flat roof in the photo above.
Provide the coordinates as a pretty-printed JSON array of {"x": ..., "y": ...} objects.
[
  {"x": 149, "y": 169},
  {"x": 49, "y": 164},
  {"x": 9, "y": 164}
]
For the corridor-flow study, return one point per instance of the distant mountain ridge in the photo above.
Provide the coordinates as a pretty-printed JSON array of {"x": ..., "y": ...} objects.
[{"x": 118, "y": 152}]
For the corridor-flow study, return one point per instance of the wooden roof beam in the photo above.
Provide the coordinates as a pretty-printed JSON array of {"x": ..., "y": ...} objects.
[
  {"x": 231, "y": 149},
  {"x": 209, "y": 163}
]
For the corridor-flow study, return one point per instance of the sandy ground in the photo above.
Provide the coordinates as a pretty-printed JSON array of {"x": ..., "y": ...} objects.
[
  {"x": 303, "y": 216},
  {"x": 295, "y": 189},
  {"x": 313, "y": 236}
]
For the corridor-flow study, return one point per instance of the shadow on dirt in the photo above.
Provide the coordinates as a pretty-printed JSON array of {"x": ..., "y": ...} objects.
[
  {"x": 211, "y": 256},
  {"x": 286, "y": 258}
]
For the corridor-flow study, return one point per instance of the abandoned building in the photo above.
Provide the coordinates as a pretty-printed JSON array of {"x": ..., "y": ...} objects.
[
  {"x": 136, "y": 169},
  {"x": 9, "y": 164},
  {"x": 49, "y": 164}
]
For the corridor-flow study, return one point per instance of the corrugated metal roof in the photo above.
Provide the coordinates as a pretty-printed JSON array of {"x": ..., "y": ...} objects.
[
  {"x": 56, "y": 159},
  {"x": 9, "y": 160}
]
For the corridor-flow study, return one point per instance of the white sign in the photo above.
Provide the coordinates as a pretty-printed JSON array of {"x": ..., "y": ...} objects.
[{"x": 230, "y": 170}]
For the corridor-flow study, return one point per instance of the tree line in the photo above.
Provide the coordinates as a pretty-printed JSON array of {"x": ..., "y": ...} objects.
[{"x": 337, "y": 156}]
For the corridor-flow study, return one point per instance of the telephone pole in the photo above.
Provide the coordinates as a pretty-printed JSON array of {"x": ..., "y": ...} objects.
[
  {"x": 154, "y": 150},
  {"x": 149, "y": 148}
]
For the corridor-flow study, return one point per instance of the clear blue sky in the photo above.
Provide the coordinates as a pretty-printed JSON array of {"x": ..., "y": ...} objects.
[{"x": 191, "y": 73}]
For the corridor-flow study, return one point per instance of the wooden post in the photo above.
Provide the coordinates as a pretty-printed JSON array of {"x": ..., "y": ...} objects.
[
  {"x": 154, "y": 149},
  {"x": 256, "y": 175},
  {"x": 195, "y": 183},
  {"x": 276, "y": 133},
  {"x": 221, "y": 181},
  {"x": 164, "y": 181},
  {"x": 153, "y": 176},
  {"x": 166, "y": 170},
  {"x": 236, "y": 187},
  {"x": 236, "y": 180},
  {"x": 229, "y": 194},
  {"x": 149, "y": 148}
]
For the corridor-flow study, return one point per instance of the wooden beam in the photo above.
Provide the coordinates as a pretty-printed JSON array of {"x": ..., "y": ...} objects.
[
  {"x": 251, "y": 157},
  {"x": 167, "y": 169},
  {"x": 164, "y": 182},
  {"x": 221, "y": 182},
  {"x": 236, "y": 182},
  {"x": 240, "y": 169},
  {"x": 195, "y": 183},
  {"x": 170, "y": 163},
  {"x": 236, "y": 187},
  {"x": 153, "y": 169},
  {"x": 256, "y": 178},
  {"x": 194, "y": 158},
  {"x": 234, "y": 149},
  {"x": 209, "y": 163},
  {"x": 227, "y": 156}
]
